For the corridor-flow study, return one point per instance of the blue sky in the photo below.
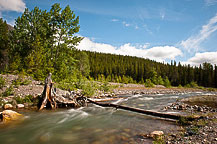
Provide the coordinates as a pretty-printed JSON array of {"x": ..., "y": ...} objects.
[{"x": 162, "y": 30}]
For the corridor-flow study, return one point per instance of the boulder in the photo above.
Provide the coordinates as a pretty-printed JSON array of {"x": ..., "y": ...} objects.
[
  {"x": 8, "y": 106},
  {"x": 9, "y": 115},
  {"x": 156, "y": 134},
  {"x": 19, "y": 106}
]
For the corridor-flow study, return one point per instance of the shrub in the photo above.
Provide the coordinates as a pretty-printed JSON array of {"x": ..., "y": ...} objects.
[
  {"x": 9, "y": 91},
  {"x": 180, "y": 86},
  {"x": 105, "y": 87},
  {"x": 88, "y": 89},
  {"x": 26, "y": 99},
  {"x": 2, "y": 82},
  {"x": 193, "y": 84},
  {"x": 167, "y": 82},
  {"x": 148, "y": 83},
  {"x": 20, "y": 81}
]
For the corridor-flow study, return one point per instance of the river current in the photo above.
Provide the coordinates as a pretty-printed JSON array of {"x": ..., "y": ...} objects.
[{"x": 93, "y": 124}]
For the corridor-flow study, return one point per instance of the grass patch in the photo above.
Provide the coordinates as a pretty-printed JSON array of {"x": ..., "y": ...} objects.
[
  {"x": 2, "y": 82},
  {"x": 9, "y": 91},
  {"x": 20, "y": 81},
  {"x": 26, "y": 99},
  {"x": 159, "y": 140}
]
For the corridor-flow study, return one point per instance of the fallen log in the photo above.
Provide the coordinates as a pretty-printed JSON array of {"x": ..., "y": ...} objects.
[{"x": 146, "y": 112}]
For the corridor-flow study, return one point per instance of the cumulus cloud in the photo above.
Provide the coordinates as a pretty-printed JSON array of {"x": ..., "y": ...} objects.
[
  {"x": 159, "y": 53},
  {"x": 193, "y": 43},
  {"x": 12, "y": 5},
  {"x": 199, "y": 58}
]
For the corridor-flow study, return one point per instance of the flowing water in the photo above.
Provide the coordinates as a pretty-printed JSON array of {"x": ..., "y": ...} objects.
[{"x": 93, "y": 124}]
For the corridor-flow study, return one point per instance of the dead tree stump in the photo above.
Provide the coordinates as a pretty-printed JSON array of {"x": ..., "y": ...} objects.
[{"x": 47, "y": 95}]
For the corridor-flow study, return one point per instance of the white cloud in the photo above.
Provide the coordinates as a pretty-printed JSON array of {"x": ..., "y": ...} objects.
[
  {"x": 87, "y": 44},
  {"x": 114, "y": 20},
  {"x": 160, "y": 53},
  {"x": 210, "y": 2},
  {"x": 12, "y": 5},
  {"x": 199, "y": 58},
  {"x": 126, "y": 24},
  {"x": 193, "y": 43}
]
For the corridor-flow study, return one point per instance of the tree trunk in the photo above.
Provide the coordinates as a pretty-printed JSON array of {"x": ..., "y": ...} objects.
[
  {"x": 47, "y": 97},
  {"x": 147, "y": 112}
]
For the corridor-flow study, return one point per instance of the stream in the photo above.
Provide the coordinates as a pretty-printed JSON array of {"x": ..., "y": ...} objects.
[{"x": 93, "y": 124}]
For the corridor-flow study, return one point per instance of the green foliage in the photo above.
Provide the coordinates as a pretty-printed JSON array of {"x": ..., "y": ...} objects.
[
  {"x": 148, "y": 83},
  {"x": 88, "y": 89},
  {"x": 9, "y": 91},
  {"x": 159, "y": 140},
  {"x": 20, "y": 81},
  {"x": 44, "y": 41},
  {"x": 26, "y": 99},
  {"x": 183, "y": 121},
  {"x": 180, "y": 86},
  {"x": 83, "y": 63},
  {"x": 160, "y": 81},
  {"x": 191, "y": 85},
  {"x": 105, "y": 87},
  {"x": 153, "y": 76},
  {"x": 115, "y": 66},
  {"x": 167, "y": 82},
  {"x": 2, "y": 82},
  {"x": 4, "y": 44}
]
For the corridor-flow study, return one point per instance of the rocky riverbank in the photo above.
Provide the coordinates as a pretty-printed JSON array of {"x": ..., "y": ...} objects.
[
  {"x": 22, "y": 92},
  {"x": 200, "y": 131}
]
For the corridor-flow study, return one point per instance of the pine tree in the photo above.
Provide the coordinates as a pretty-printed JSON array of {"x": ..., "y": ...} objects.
[{"x": 4, "y": 46}]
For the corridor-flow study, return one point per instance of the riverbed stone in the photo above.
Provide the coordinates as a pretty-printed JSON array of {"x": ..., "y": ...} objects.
[
  {"x": 20, "y": 106},
  {"x": 9, "y": 115},
  {"x": 8, "y": 106},
  {"x": 155, "y": 134}
]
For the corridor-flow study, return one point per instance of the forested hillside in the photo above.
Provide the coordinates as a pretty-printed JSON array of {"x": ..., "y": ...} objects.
[
  {"x": 126, "y": 69},
  {"x": 45, "y": 41}
]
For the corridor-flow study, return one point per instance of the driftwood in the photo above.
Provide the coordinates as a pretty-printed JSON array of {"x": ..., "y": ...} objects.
[
  {"x": 48, "y": 95},
  {"x": 146, "y": 112},
  {"x": 50, "y": 99}
]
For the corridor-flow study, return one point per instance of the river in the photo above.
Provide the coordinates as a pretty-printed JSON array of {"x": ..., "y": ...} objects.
[{"x": 93, "y": 124}]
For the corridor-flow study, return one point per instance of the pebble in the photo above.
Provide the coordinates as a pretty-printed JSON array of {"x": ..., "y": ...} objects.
[
  {"x": 8, "y": 106},
  {"x": 20, "y": 106}
]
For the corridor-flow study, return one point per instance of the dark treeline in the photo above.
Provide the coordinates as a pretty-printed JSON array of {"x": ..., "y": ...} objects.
[{"x": 116, "y": 67}]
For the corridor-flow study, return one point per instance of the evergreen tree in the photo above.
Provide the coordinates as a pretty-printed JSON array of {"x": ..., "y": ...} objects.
[
  {"x": 45, "y": 41},
  {"x": 4, "y": 46}
]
